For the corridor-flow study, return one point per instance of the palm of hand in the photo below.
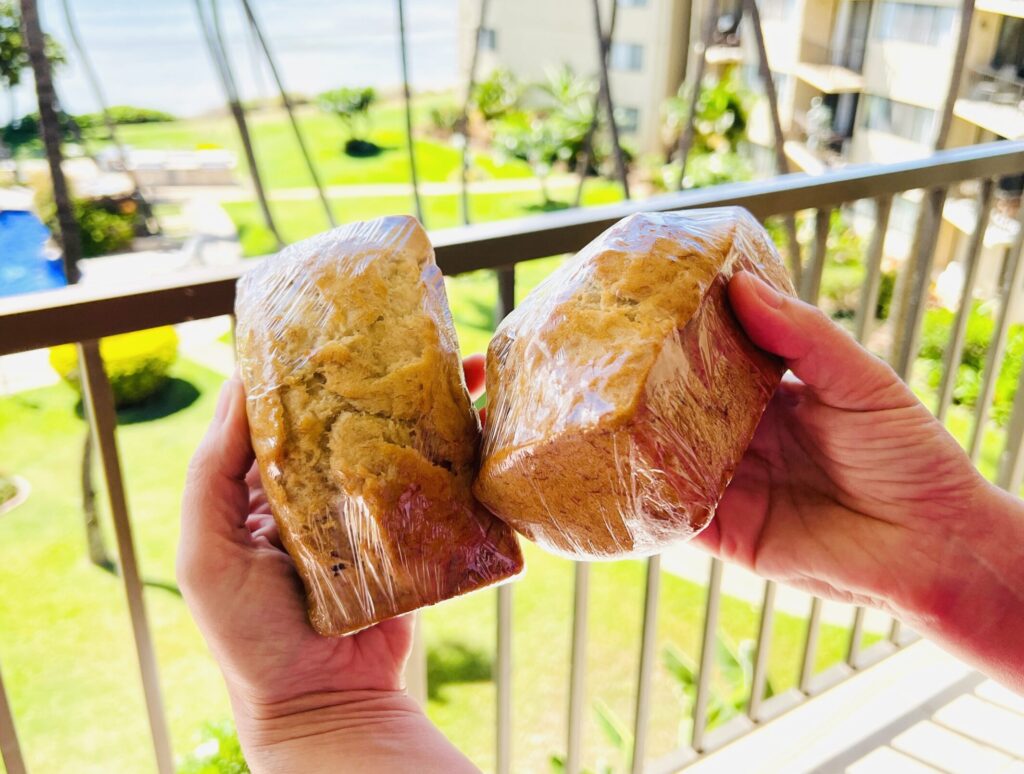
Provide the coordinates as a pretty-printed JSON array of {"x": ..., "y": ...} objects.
[
  {"x": 830, "y": 498},
  {"x": 273, "y": 646}
]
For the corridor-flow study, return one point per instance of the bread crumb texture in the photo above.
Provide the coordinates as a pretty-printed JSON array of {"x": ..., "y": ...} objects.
[
  {"x": 622, "y": 392},
  {"x": 363, "y": 429}
]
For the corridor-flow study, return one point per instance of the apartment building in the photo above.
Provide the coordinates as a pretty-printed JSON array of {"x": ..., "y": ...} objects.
[{"x": 646, "y": 62}]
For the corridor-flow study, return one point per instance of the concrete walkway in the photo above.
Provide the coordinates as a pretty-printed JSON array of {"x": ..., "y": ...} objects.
[{"x": 242, "y": 192}]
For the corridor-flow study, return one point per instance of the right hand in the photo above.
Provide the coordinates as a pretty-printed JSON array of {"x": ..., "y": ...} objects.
[{"x": 851, "y": 489}]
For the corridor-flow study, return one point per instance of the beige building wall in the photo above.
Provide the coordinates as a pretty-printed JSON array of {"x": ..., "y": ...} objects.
[{"x": 532, "y": 36}]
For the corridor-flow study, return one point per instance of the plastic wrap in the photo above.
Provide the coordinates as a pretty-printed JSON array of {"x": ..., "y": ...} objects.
[
  {"x": 622, "y": 392},
  {"x": 363, "y": 429}
]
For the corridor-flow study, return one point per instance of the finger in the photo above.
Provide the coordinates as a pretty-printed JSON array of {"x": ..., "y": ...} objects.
[
  {"x": 473, "y": 366},
  {"x": 820, "y": 353},
  {"x": 263, "y": 525},
  {"x": 216, "y": 495}
]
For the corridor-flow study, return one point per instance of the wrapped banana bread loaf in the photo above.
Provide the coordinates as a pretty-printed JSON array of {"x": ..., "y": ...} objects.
[
  {"x": 622, "y": 392},
  {"x": 363, "y": 429}
]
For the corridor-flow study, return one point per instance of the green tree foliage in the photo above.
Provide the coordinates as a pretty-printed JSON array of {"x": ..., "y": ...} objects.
[
  {"x": 496, "y": 95},
  {"x": 13, "y": 53},
  {"x": 352, "y": 107},
  {"x": 720, "y": 123}
]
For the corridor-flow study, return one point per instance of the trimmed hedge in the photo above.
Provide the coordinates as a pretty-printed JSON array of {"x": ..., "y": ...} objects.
[{"x": 136, "y": 363}]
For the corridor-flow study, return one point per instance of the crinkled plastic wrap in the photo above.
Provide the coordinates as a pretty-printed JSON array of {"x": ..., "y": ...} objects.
[
  {"x": 622, "y": 393},
  {"x": 363, "y": 429}
]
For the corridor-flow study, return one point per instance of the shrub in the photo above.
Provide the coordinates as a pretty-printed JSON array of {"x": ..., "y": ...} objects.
[
  {"x": 7, "y": 489},
  {"x": 124, "y": 114},
  {"x": 352, "y": 107},
  {"x": 497, "y": 95},
  {"x": 445, "y": 119},
  {"x": 218, "y": 753},
  {"x": 136, "y": 363},
  {"x": 106, "y": 225}
]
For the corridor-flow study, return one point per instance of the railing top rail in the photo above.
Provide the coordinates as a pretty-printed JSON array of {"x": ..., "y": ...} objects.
[{"x": 86, "y": 312}]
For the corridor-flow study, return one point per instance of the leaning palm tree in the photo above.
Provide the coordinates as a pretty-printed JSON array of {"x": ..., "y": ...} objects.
[
  {"x": 218, "y": 54},
  {"x": 152, "y": 226}
]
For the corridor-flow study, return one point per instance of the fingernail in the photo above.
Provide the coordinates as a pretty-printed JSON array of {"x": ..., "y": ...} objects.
[
  {"x": 224, "y": 401},
  {"x": 767, "y": 293}
]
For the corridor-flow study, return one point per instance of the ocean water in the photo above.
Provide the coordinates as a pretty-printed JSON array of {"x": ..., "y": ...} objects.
[{"x": 151, "y": 52}]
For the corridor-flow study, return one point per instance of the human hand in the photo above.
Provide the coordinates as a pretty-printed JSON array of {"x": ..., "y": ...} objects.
[
  {"x": 852, "y": 490},
  {"x": 300, "y": 700}
]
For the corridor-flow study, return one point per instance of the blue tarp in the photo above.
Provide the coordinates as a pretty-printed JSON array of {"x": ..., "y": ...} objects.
[{"x": 24, "y": 267}]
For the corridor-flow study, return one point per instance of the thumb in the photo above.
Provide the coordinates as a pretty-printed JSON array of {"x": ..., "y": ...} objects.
[
  {"x": 216, "y": 498},
  {"x": 821, "y": 354}
]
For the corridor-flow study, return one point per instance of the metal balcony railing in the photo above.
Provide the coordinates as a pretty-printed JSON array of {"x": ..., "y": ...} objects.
[
  {"x": 84, "y": 314},
  {"x": 1000, "y": 87}
]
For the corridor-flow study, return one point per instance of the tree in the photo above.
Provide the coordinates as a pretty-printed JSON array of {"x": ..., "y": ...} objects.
[
  {"x": 497, "y": 95},
  {"x": 721, "y": 120},
  {"x": 352, "y": 106},
  {"x": 14, "y": 58}
]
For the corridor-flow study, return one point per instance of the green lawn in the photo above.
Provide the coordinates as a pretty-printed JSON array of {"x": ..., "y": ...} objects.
[
  {"x": 282, "y": 167},
  {"x": 297, "y": 219},
  {"x": 65, "y": 640}
]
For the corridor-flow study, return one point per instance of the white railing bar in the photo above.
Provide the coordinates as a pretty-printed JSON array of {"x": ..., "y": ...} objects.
[
  {"x": 707, "y": 656},
  {"x": 1011, "y": 463},
  {"x": 1013, "y": 276},
  {"x": 811, "y": 286},
  {"x": 10, "y": 750},
  {"x": 856, "y": 635},
  {"x": 759, "y": 678},
  {"x": 416, "y": 666},
  {"x": 910, "y": 302},
  {"x": 972, "y": 262},
  {"x": 810, "y": 645},
  {"x": 578, "y": 667},
  {"x": 99, "y": 403},
  {"x": 652, "y": 588},
  {"x": 503, "y": 737},
  {"x": 873, "y": 270}
]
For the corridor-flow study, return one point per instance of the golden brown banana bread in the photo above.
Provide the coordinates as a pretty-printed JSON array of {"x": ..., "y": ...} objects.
[
  {"x": 363, "y": 429},
  {"x": 622, "y": 392}
]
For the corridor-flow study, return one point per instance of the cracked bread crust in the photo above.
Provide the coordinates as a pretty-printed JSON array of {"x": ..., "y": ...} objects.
[
  {"x": 622, "y": 392},
  {"x": 362, "y": 425}
]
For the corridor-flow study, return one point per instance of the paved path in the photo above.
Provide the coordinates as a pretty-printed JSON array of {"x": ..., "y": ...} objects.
[{"x": 229, "y": 193}]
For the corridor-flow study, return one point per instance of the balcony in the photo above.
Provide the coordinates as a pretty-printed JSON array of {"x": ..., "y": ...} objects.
[
  {"x": 884, "y": 685},
  {"x": 994, "y": 102},
  {"x": 828, "y": 70},
  {"x": 1003, "y": 7}
]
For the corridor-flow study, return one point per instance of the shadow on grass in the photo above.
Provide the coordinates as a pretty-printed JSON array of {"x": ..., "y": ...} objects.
[
  {"x": 176, "y": 395},
  {"x": 111, "y": 566},
  {"x": 552, "y": 205},
  {"x": 455, "y": 662}
]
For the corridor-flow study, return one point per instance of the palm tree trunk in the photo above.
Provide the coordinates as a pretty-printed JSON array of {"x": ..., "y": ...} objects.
[
  {"x": 606, "y": 95},
  {"x": 686, "y": 138},
  {"x": 408, "y": 108},
  {"x": 218, "y": 53},
  {"x": 287, "y": 103},
  {"x": 152, "y": 225},
  {"x": 463, "y": 127},
  {"x": 49, "y": 129},
  {"x": 583, "y": 164}
]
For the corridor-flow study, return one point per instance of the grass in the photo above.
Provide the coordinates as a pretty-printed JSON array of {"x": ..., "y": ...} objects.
[
  {"x": 282, "y": 166},
  {"x": 297, "y": 219},
  {"x": 66, "y": 644}
]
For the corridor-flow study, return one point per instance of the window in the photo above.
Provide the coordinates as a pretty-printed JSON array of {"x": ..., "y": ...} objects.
[
  {"x": 914, "y": 23},
  {"x": 627, "y": 56},
  {"x": 1010, "y": 48},
  {"x": 632, "y": 3},
  {"x": 488, "y": 39},
  {"x": 899, "y": 118},
  {"x": 776, "y": 10},
  {"x": 628, "y": 118}
]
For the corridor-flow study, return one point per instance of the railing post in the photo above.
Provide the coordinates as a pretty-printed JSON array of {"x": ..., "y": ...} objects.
[
  {"x": 99, "y": 403},
  {"x": 873, "y": 270},
  {"x": 416, "y": 667},
  {"x": 504, "y": 680},
  {"x": 810, "y": 646},
  {"x": 641, "y": 719},
  {"x": 707, "y": 656},
  {"x": 578, "y": 666},
  {"x": 1013, "y": 275},
  {"x": 10, "y": 750},
  {"x": 955, "y": 349},
  {"x": 506, "y": 292},
  {"x": 764, "y": 640},
  {"x": 1011, "y": 464}
]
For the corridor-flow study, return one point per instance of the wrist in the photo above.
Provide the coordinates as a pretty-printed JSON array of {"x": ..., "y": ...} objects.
[{"x": 974, "y": 605}]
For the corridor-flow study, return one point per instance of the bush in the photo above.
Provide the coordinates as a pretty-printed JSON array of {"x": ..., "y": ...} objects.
[
  {"x": 124, "y": 114},
  {"x": 497, "y": 95},
  {"x": 7, "y": 489},
  {"x": 445, "y": 119},
  {"x": 106, "y": 225},
  {"x": 136, "y": 363},
  {"x": 218, "y": 753}
]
